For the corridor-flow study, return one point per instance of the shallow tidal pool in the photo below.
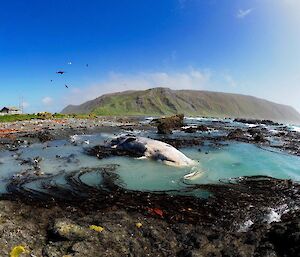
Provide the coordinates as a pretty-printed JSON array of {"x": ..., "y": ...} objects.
[{"x": 217, "y": 164}]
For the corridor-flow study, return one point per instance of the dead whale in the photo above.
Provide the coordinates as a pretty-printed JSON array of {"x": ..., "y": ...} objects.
[{"x": 152, "y": 149}]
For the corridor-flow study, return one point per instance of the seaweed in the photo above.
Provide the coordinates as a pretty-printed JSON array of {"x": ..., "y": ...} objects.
[{"x": 230, "y": 203}]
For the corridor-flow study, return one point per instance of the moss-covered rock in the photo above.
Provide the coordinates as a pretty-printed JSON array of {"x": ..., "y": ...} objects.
[
  {"x": 65, "y": 228},
  {"x": 167, "y": 124}
]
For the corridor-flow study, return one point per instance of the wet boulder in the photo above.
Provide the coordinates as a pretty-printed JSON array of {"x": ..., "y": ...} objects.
[
  {"x": 167, "y": 124},
  {"x": 284, "y": 236},
  {"x": 257, "y": 135},
  {"x": 270, "y": 123},
  {"x": 236, "y": 134},
  {"x": 241, "y": 120},
  {"x": 45, "y": 136},
  {"x": 257, "y": 121},
  {"x": 102, "y": 152},
  {"x": 191, "y": 129},
  {"x": 202, "y": 128},
  {"x": 259, "y": 138}
]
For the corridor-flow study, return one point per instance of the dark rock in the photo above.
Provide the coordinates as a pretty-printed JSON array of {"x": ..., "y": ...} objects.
[
  {"x": 202, "y": 128},
  {"x": 44, "y": 136},
  {"x": 167, "y": 124},
  {"x": 239, "y": 135},
  {"x": 257, "y": 135},
  {"x": 102, "y": 152},
  {"x": 236, "y": 134},
  {"x": 56, "y": 249},
  {"x": 250, "y": 238},
  {"x": 285, "y": 236},
  {"x": 192, "y": 227},
  {"x": 185, "y": 253},
  {"x": 253, "y": 131},
  {"x": 190, "y": 130},
  {"x": 257, "y": 121},
  {"x": 258, "y": 138}
]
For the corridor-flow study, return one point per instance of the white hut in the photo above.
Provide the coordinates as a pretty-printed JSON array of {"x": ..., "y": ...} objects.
[{"x": 10, "y": 110}]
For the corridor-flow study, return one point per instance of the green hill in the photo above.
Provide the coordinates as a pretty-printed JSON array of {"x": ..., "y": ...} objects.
[{"x": 164, "y": 101}]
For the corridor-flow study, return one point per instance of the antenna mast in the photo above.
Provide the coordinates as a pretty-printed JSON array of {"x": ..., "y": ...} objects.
[{"x": 21, "y": 105}]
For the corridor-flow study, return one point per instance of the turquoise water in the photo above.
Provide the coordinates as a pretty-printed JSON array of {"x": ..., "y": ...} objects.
[
  {"x": 233, "y": 160},
  {"x": 241, "y": 159}
]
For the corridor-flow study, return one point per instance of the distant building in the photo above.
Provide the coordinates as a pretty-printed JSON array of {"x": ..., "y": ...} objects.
[{"x": 10, "y": 110}]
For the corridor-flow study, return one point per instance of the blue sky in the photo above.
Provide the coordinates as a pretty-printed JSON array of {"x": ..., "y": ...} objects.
[{"x": 240, "y": 46}]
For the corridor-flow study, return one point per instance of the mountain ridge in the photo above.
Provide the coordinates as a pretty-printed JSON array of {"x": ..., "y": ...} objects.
[{"x": 165, "y": 101}]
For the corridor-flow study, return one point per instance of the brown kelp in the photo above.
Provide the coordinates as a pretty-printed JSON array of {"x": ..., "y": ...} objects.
[{"x": 229, "y": 204}]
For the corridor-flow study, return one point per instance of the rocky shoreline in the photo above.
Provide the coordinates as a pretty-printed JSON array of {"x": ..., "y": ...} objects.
[
  {"x": 13, "y": 135},
  {"x": 142, "y": 224},
  {"x": 56, "y": 232},
  {"x": 112, "y": 221}
]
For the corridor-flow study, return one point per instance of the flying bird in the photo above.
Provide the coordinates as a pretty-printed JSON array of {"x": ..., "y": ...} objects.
[
  {"x": 60, "y": 72},
  {"x": 243, "y": 13},
  {"x": 66, "y": 86}
]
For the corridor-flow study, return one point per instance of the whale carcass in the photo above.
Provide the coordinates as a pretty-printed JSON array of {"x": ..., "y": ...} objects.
[{"x": 152, "y": 149}]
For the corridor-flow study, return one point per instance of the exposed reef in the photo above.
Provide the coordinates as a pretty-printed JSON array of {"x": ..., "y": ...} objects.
[
  {"x": 62, "y": 215},
  {"x": 80, "y": 220}
]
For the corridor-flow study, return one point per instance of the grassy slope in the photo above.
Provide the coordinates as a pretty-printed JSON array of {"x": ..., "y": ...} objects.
[
  {"x": 17, "y": 117},
  {"x": 162, "y": 101},
  {"x": 136, "y": 103},
  {"x": 22, "y": 117}
]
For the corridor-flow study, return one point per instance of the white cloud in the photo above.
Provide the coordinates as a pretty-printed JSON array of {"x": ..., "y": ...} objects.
[
  {"x": 230, "y": 81},
  {"x": 243, "y": 13},
  {"x": 47, "y": 100},
  {"x": 189, "y": 79}
]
